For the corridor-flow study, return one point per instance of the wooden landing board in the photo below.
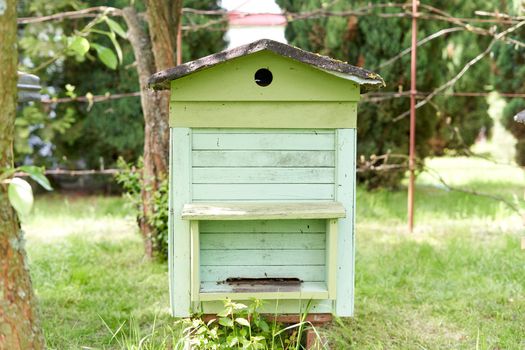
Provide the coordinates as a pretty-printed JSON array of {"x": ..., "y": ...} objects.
[
  {"x": 307, "y": 290},
  {"x": 263, "y": 211}
]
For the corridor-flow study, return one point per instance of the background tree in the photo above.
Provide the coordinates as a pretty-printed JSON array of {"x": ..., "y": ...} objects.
[
  {"x": 86, "y": 135},
  {"x": 370, "y": 41},
  {"x": 509, "y": 73},
  {"x": 19, "y": 327}
]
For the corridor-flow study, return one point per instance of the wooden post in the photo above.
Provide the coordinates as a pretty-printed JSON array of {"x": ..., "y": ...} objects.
[{"x": 413, "y": 93}]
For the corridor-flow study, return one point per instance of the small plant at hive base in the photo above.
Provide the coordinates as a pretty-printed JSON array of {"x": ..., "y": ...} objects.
[
  {"x": 130, "y": 178},
  {"x": 240, "y": 326}
]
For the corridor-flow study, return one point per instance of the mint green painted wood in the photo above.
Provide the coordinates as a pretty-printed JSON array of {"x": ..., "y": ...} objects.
[
  {"x": 264, "y": 226},
  {"x": 198, "y": 131},
  {"x": 252, "y": 165},
  {"x": 195, "y": 261},
  {"x": 310, "y": 273},
  {"x": 228, "y": 175},
  {"x": 331, "y": 257},
  {"x": 276, "y": 306},
  {"x": 292, "y": 81},
  {"x": 269, "y": 141},
  {"x": 262, "y": 241},
  {"x": 267, "y": 257},
  {"x": 290, "y": 115},
  {"x": 171, "y": 253},
  {"x": 307, "y": 290},
  {"x": 263, "y": 158},
  {"x": 232, "y": 192},
  {"x": 293, "y": 141},
  {"x": 180, "y": 249},
  {"x": 210, "y": 287},
  {"x": 345, "y": 194}
]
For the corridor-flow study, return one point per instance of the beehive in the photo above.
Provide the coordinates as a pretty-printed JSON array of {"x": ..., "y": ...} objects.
[{"x": 262, "y": 179}]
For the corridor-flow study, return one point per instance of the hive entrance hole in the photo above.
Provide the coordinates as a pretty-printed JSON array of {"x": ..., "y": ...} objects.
[
  {"x": 263, "y": 77},
  {"x": 286, "y": 281}
]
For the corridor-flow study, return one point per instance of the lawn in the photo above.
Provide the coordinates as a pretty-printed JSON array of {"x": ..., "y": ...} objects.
[{"x": 457, "y": 282}]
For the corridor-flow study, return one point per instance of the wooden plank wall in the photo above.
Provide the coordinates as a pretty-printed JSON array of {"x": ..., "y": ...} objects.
[
  {"x": 263, "y": 165},
  {"x": 263, "y": 248}
]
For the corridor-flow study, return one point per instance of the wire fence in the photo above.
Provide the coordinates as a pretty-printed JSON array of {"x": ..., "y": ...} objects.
[{"x": 497, "y": 26}]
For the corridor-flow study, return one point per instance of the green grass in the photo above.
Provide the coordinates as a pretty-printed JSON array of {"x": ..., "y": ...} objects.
[{"x": 458, "y": 282}]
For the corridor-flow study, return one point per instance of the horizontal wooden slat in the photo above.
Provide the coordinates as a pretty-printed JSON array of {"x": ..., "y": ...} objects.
[
  {"x": 268, "y": 141},
  {"x": 297, "y": 306},
  {"x": 307, "y": 290},
  {"x": 263, "y": 226},
  {"x": 264, "y": 175},
  {"x": 262, "y": 241},
  {"x": 263, "y": 159},
  {"x": 261, "y": 257},
  {"x": 226, "y": 192},
  {"x": 307, "y": 273},
  {"x": 263, "y": 211},
  {"x": 196, "y": 131},
  {"x": 256, "y": 114}
]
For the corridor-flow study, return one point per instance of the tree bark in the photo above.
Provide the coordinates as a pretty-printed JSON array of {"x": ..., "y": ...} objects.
[
  {"x": 19, "y": 327},
  {"x": 153, "y": 52}
]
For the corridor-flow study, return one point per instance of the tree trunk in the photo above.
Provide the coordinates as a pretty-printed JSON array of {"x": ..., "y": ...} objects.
[
  {"x": 153, "y": 52},
  {"x": 19, "y": 328}
]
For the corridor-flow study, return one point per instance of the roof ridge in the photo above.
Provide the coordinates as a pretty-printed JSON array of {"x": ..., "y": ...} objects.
[{"x": 368, "y": 80}]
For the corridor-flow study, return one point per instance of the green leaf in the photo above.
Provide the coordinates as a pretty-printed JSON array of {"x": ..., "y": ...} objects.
[
  {"x": 264, "y": 326},
  {"x": 225, "y": 312},
  {"x": 242, "y": 321},
  {"x": 116, "y": 27},
  {"x": 226, "y": 322},
  {"x": 37, "y": 174},
  {"x": 20, "y": 195},
  {"x": 233, "y": 341},
  {"x": 79, "y": 45},
  {"x": 106, "y": 56}
]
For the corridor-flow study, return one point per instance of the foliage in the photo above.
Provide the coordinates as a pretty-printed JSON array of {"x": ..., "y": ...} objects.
[
  {"x": 370, "y": 41},
  {"x": 130, "y": 178},
  {"x": 87, "y": 135},
  {"x": 47, "y": 49},
  {"x": 240, "y": 326}
]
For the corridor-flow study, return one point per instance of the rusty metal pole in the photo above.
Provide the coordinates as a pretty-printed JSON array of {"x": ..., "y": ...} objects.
[{"x": 413, "y": 92}]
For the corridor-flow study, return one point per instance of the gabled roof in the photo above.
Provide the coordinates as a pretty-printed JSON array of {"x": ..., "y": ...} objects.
[{"x": 366, "y": 79}]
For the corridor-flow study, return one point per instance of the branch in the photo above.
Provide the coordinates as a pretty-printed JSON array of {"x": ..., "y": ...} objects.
[
  {"x": 76, "y": 172},
  {"x": 501, "y": 199},
  {"x": 90, "y": 99},
  {"x": 463, "y": 70},
  {"x": 419, "y": 43},
  {"x": 89, "y": 12}
]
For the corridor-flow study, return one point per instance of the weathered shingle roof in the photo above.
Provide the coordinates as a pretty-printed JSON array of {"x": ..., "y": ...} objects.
[{"x": 366, "y": 79}]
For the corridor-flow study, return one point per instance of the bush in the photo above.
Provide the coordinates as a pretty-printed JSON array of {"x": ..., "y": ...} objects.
[
  {"x": 130, "y": 178},
  {"x": 240, "y": 326}
]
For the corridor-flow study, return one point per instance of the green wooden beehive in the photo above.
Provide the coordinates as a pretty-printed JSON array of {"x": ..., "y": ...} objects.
[{"x": 262, "y": 179}]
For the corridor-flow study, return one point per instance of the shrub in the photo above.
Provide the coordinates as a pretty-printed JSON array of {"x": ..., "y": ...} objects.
[
  {"x": 130, "y": 178},
  {"x": 240, "y": 326}
]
